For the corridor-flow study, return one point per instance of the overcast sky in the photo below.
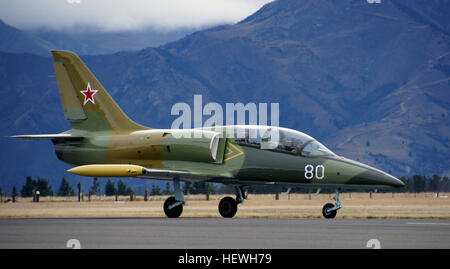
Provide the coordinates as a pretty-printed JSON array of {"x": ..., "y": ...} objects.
[{"x": 110, "y": 15}]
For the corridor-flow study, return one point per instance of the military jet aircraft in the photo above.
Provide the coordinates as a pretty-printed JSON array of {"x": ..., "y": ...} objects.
[{"x": 104, "y": 142}]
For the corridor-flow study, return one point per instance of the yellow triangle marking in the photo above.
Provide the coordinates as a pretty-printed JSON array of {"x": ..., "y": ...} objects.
[
  {"x": 229, "y": 151},
  {"x": 233, "y": 153}
]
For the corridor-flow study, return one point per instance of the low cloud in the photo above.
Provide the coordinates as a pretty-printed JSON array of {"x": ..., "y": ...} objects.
[{"x": 116, "y": 15}]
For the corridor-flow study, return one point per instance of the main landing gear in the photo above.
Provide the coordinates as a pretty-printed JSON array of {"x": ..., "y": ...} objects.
[
  {"x": 173, "y": 206},
  {"x": 228, "y": 205},
  {"x": 329, "y": 210}
]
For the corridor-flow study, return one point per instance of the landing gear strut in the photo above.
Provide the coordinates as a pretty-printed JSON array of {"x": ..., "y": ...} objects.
[
  {"x": 329, "y": 210},
  {"x": 173, "y": 206},
  {"x": 228, "y": 205}
]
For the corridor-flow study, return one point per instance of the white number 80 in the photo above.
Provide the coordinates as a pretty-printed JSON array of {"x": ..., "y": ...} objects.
[{"x": 309, "y": 171}]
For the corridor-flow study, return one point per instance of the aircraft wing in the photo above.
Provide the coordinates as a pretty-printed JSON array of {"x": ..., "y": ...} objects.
[
  {"x": 237, "y": 182},
  {"x": 47, "y": 136}
]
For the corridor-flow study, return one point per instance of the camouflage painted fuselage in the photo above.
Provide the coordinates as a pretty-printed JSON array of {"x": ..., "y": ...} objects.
[{"x": 236, "y": 161}]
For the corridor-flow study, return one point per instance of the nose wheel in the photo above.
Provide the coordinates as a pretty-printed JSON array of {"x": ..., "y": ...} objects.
[{"x": 329, "y": 210}]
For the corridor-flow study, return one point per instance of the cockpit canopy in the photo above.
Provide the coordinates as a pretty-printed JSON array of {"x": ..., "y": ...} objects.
[{"x": 279, "y": 139}]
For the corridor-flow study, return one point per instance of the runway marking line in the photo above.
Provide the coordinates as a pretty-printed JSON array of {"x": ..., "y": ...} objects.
[{"x": 426, "y": 223}]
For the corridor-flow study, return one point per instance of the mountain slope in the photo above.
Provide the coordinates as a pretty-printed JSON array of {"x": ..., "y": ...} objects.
[
  {"x": 371, "y": 81},
  {"x": 346, "y": 69},
  {"x": 17, "y": 41},
  {"x": 91, "y": 42},
  {"x": 83, "y": 41}
]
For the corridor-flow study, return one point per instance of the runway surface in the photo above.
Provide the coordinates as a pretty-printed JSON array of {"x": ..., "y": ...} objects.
[{"x": 192, "y": 233}]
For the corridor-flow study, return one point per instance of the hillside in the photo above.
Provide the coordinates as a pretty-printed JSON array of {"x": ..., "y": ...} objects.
[
  {"x": 370, "y": 81},
  {"x": 16, "y": 41}
]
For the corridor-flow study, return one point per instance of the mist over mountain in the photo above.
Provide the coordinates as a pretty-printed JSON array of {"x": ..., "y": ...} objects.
[
  {"x": 84, "y": 41},
  {"x": 91, "y": 42},
  {"x": 17, "y": 41},
  {"x": 370, "y": 81}
]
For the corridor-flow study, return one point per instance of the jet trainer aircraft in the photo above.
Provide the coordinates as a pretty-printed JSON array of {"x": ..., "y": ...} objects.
[{"x": 104, "y": 142}]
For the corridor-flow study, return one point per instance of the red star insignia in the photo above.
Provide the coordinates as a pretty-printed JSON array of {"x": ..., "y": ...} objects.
[{"x": 89, "y": 94}]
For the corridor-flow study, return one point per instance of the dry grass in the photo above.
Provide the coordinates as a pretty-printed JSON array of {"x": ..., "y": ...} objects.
[{"x": 355, "y": 205}]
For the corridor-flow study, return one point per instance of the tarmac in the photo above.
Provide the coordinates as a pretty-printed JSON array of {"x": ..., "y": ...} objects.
[{"x": 220, "y": 233}]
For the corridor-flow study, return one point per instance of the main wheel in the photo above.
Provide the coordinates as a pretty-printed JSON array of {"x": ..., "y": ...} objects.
[
  {"x": 173, "y": 212},
  {"x": 227, "y": 207},
  {"x": 327, "y": 212}
]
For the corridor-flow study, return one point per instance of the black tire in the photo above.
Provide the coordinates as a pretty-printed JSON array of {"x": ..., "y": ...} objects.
[
  {"x": 174, "y": 212},
  {"x": 327, "y": 213},
  {"x": 227, "y": 207}
]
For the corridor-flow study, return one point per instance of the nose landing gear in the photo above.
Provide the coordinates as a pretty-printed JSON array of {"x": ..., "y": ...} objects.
[{"x": 329, "y": 210}]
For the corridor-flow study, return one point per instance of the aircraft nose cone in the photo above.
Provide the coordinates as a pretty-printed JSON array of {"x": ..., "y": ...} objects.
[
  {"x": 377, "y": 177},
  {"x": 373, "y": 176},
  {"x": 393, "y": 181}
]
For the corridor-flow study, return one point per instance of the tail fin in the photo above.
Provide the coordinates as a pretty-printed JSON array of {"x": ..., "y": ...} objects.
[{"x": 86, "y": 103}]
